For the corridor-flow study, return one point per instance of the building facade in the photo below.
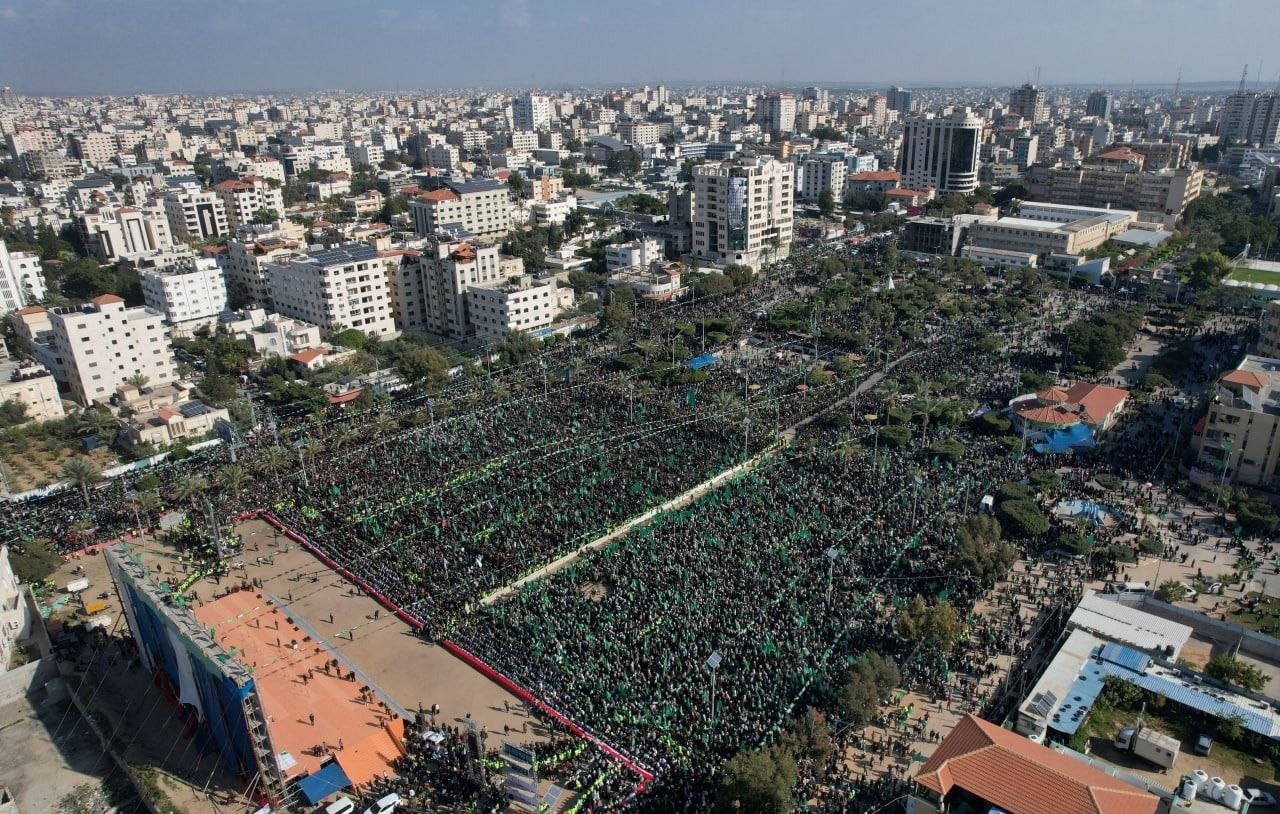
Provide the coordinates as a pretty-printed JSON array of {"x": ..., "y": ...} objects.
[
  {"x": 243, "y": 198},
  {"x": 21, "y": 279},
  {"x": 481, "y": 208},
  {"x": 941, "y": 153},
  {"x": 336, "y": 289},
  {"x": 101, "y": 345},
  {"x": 189, "y": 296},
  {"x": 742, "y": 211},
  {"x": 195, "y": 214}
]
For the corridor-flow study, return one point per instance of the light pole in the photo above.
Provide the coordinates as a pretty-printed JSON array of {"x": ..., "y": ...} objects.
[
  {"x": 713, "y": 663},
  {"x": 302, "y": 462},
  {"x": 132, "y": 496},
  {"x": 833, "y": 554}
]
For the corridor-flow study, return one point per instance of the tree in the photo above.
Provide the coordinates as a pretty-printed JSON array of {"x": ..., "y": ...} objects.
[
  {"x": 980, "y": 551},
  {"x": 1171, "y": 591},
  {"x": 217, "y": 389},
  {"x": 1231, "y": 670},
  {"x": 808, "y": 736},
  {"x": 139, "y": 380},
  {"x": 937, "y": 626},
  {"x": 424, "y": 367},
  {"x": 12, "y": 413},
  {"x": 351, "y": 338},
  {"x": 713, "y": 285},
  {"x": 1024, "y": 517},
  {"x": 515, "y": 183},
  {"x": 1208, "y": 269},
  {"x": 825, "y": 132},
  {"x": 82, "y": 473},
  {"x": 266, "y": 216},
  {"x": 870, "y": 681},
  {"x": 231, "y": 479},
  {"x": 826, "y": 203},
  {"x": 758, "y": 781},
  {"x": 188, "y": 489}
]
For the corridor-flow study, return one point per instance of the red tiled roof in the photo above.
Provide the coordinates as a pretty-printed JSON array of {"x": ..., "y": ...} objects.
[
  {"x": 1097, "y": 400},
  {"x": 1053, "y": 395},
  {"x": 233, "y": 185},
  {"x": 306, "y": 357},
  {"x": 343, "y": 398},
  {"x": 1246, "y": 378},
  {"x": 1022, "y": 777},
  {"x": 106, "y": 299},
  {"x": 1040, "y": 414},
  {"x": 876, "y": 175},
  {"x": 442, "y": 194},
  {"x": 1121, "y": 154},
  {"x": 32, "y": 309}
]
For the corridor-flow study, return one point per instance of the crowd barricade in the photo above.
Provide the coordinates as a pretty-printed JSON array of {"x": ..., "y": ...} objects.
[{"x": 456, "y": 650}]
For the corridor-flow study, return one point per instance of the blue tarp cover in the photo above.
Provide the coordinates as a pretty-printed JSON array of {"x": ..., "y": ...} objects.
[
  {"x": 315, "y": 787},
  {"x": 705, "y": 360},
  {"x": 1077, "y": 436}
]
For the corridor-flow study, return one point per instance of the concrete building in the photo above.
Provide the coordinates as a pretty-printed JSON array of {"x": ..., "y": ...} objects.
[
  {"x": 1269, "y": 336},
  {"x": 48, "y": 165},
  {"x": 636, "y": 253},
  {"x": 244, "y": 263},
  {"x": 941, "y": 153},
  {"x": 243, "y": 198},
  {"x": 15, "y": 624},
  {"x": 531, "y": 112},
  {"x": 190, "y": 296},
  {"x": 1025, "y": 149},
  {"x": 97, "y": 149},
  {"x": 1253, "y": 118},
  {"x": 481, "y": 208},
  {"x": 32, "y": 385},
  {"x": 1043, "y": 238},
  {"x": 432, "y": 296},
  {"x": 900, "y": 99},
  {"x": 522, "y": 304},
  {"x": 1028, "y": 102},
  {"x": 195, "y": 214},
  {"x": 1099, "y": 104},
  {"x": 818, "y": 172},
  {"x": 115, "y": 233},
  {"x": 101, "y": 345},
  {"x": 1237, "y": 442},
  {"x": 553, "y": 211},
  {"x": 1158, "y": 197},
  {"x": 163, "y": 425},
  {"x": 442, "y": 156},
  {"x": 21, "y": 279},
  {"x": 742, "y": 211},
  {"x": 336, "y": 289},
  {"x": 271, "y": 334},
  {"x": 776, "y": 112}
]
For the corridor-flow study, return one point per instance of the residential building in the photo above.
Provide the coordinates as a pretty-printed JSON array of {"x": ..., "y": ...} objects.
[
  {"x": 271, "y": 334},
  {"x": 97, "y": 149},
  {"x": 1099, "y": 104},
  {"x": 1025, "y": 149},
  {"x": 553, "y": 211},
  {"x": 101, "y": 345},
  {"x": 523, "y": 304},
  {"x": 442, "y": 156},
  {"x": 742, "y": 211},
  {"x": 245, "y": 262},
  {"x": 941, "y": 152},
  {"x": 336, "y": 184},
  {"x": 114, "y": 233},
  {"x": 1236, "y": 443},
  {"x": 27, "y": 139},
  {"x": 32, "y": 385},
  {"x": 544, "y": 187},
  {"x": 776, "y": 112},
  {"x": 531, "y": 112},
  {"x": 819, "y": 172},
  {"x": 339, "y": 288},
  {"x": 1253, "y": 118},
  {"x": 21, "y": 279},
  {"x": 1269, "y": 336},
  {"x": 900, "y": 99},
  {"x": 163, "y": 425},
  {"x": 432, "y": 296},
  {"x": 48, "y": 165},
  {"x": 659, "y": 281},
  {"x": 1159, "y": 197},
  {"x": 243, "y": 198},
  {"x": 195, "y": 214},
  {"x": 636, "y": 253},
  {"x": 15, "y": 625},
  {"x": 1028, "y": 102},
  {"x": 876, "y": 182},
  {"x": 980, "y": 766},
  {"x": 190, "y": 296},
  {"x": 481, "y": 208}
]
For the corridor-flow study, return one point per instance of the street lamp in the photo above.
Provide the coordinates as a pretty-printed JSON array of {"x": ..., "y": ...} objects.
[
  {"x": 132, "y": 496},
  {"x": 713, "y": 664},
  {"x": 833, "y": 554}
]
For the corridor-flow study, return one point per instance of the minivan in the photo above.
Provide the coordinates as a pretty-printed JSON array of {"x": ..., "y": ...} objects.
[
  {"x": 1204, "y": 744},
  {"x": 342, "y": 805},
  {"x": 385, "y": 804},
  {"x": 1133, "y": 588}
]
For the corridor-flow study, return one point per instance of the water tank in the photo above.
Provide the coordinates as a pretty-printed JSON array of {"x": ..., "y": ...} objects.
[
  {"x": 1187, "y": 790},
  {"x": 1216, "y": 787},
  {"x": 1232, "y": 797},
  {"x": 1201, "y": 778}
]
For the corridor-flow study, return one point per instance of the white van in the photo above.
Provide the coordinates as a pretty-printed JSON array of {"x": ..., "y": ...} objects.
[
  {"x": 1128, "y": 588},
  {"x": 385, "y": 804},
  {"x": 342, "y": 805}
]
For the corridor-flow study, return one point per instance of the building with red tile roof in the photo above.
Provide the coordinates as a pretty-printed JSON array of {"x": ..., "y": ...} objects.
[
  {"x": 990, "y": 768},
  {"x": 1095, "y": 405}
]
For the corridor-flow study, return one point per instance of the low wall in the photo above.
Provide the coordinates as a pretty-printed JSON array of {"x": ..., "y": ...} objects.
[
  {"x": 22, "y": 681},
  {"x": 1256, "y": 644}
]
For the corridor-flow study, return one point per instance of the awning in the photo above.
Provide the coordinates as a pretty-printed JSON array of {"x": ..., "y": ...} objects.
[{"x": 319, "y": 785}]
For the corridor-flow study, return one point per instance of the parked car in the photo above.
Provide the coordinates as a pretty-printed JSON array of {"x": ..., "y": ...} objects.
[
  {"x": 385, "y": 804},
  {"x": 1259, "y": 799},
  {"x": 1204, "y": 744},
  {"x": 342, "y": 805}
]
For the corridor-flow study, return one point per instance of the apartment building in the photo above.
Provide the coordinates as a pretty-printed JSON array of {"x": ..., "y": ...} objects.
[
  {"x": 48, "y": 165},
  {"x": 1028, "y": 102},
  {"x": 32, "y": 385},
  {"x": 635, "y": 253},
  {"x": 21, "y": 279},
  {"x": 1238, "y": 443},
  {"x": 522, "y": 304},
  {"x": 1269, "y": 336},
  {"x": 742, "y": 211},
  {"x": 1253, "y": 118},
  {"x": 776, "y": 112},
  {"x": 113, "y": 233},
  {"x": 442, "y": 156},
  {"x": 98, "y": 149},
  {"x": 190, "y": 296},
  {"x": 531, "y": 112},
  {"x": 820, "y": 172},
  {"x": 432, "y": 294},
  {"x": 245, "y": 262},
  {"x": 195, "y": 214},
  {"x": 15, "y": 625},
  {"x": 481, "y": 208},
  {"x": 1159, "y": 197},
  {"x": 27, "y": 139},
  {"x": 271, "y": 334},
  {"x": 336, "y": 289},
  {"x": 101, "y": 345},
  {"x": 243, "y": 198}
]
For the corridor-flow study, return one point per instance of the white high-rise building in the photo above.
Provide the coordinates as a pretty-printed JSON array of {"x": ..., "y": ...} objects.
[
  {"x": 821, "y": 171},
  {"x": 245, "y": 262},
  {"x": 1029, "y": 102},
  {"x": 482, "y": 208},
  {"x": 1251, "y": 117},
  {"x": 531, "y": 112},
  {"x": 21, "y": 279},
  {"x": 15, "y": 620},
  {"x": 432, "y": 295},
  {"x": 941, "y": 152},
  {"x": 189, "y": 296},
  {"x": 111, "y": 233},
  {"x": 339, "y": 288},
  {"x": 742, "y": 211},
  {"x": 101, "y": 345},
  {"x": 243, "y": 198},
  {"x": 776, "y": 112},
  {"x": 195, "y": 214}
]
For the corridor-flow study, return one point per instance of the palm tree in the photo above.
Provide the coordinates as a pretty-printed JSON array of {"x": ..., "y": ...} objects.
[
  {"x": 82, "y": 472},
  {"x": 146, "y": 504},
  {"x": 189, "y": 488},
  {"x": 276, "y": 460},
  {"x": 346, "y": 437},
  {"x": 312, "y": 447},
  {"x": 97, "y": 421},
  {"x": 139, "y": 380},
  {"x": 384, "y": 424},
  {"x": 575, "y": 368},
  {"x": 231, "y": 478}
]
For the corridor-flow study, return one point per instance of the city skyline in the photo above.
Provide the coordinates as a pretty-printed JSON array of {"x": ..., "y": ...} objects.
[{"x": 145, "y": 46}]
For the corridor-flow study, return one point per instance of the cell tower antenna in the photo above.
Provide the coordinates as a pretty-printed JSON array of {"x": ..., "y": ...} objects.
[
  {"x": 1244, "y": 75},
  {"x": 1037, "y": 82},
  {"x": 1177, "y": 87}
]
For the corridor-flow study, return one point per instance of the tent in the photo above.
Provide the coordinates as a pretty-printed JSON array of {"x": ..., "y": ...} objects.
[
  {"x": 319, "y": 785},
  {"x": 1067, "y": 439}
]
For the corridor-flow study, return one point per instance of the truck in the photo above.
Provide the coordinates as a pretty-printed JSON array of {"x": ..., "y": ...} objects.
[{"x": 1148, "y": 744}]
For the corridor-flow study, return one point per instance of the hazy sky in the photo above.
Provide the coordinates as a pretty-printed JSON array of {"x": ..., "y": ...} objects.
[{"x": 115, "y": 46}]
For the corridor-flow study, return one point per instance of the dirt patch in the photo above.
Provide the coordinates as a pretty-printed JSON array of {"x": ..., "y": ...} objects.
[{"x": 595, "y": 591}]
